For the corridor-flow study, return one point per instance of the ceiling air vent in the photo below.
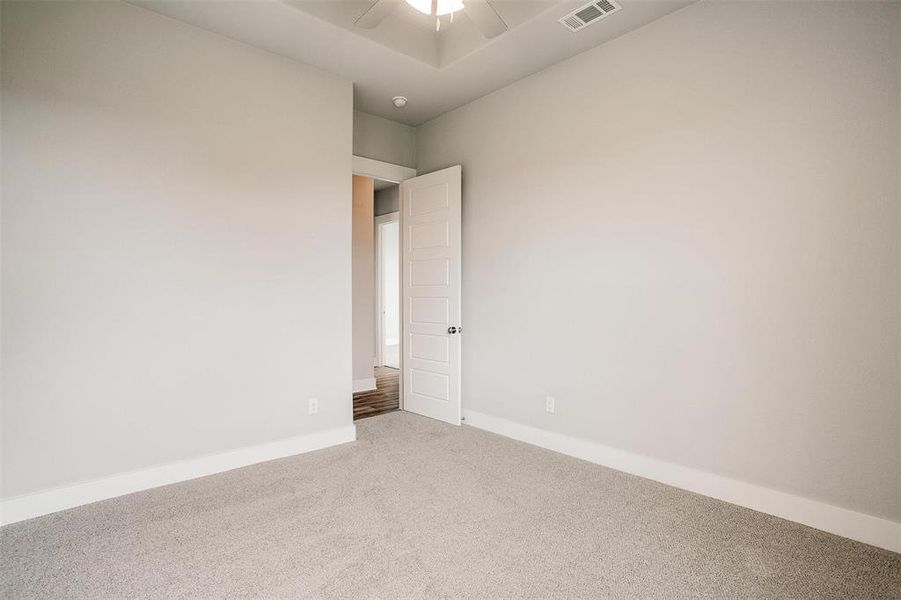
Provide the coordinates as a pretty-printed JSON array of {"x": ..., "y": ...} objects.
[{"x": 588, "y": 14}]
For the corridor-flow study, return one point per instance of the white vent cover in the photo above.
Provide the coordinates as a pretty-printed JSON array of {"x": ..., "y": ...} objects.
[{"x": 588, "y": 14}]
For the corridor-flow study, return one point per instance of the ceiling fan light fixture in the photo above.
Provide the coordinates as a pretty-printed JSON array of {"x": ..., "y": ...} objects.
[{"x": 442, "y": 7}]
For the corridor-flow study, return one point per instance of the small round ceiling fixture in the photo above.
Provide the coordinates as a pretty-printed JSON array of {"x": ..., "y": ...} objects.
[{"x": 399, "y": 101}]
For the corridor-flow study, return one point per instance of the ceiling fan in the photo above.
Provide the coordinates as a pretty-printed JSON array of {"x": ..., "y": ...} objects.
[{"x": 479, "y": 12}]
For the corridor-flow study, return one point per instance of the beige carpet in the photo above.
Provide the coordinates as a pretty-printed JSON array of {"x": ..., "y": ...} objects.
[{"x": 419, "y": 509}]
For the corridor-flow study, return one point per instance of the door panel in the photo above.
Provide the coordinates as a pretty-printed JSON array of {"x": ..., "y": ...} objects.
[
  {"x": 431, "y": 263},
  {"x": 428, "y": 273},
  {"x": 429, "y": 310},
  {"x": 430, "y": 347}
]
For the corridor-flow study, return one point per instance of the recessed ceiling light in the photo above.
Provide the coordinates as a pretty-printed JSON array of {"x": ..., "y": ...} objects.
[{"x": 399, "y": 101}]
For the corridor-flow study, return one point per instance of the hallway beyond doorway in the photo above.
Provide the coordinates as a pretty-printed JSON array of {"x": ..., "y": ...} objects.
[{"x": 385, "y": 398}]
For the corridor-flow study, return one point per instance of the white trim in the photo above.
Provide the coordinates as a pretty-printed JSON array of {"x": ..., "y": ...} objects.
[
  {"x": 388, "y": 217},
  {"x": 381, "y": 170},
  {"x": 819, "y": 515},
  {"x": 380, "y": 220},
  {"x": 29, "y": 506},
  {"x": 364, "y": 385}
]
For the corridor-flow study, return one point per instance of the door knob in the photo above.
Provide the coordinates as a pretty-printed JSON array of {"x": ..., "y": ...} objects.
[{"x": 452, "y": 330}]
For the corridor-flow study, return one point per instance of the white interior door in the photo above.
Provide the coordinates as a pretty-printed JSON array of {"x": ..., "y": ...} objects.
[{"x": 431, "y": 264}]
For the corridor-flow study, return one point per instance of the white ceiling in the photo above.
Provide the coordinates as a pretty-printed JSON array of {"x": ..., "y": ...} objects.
[
  {"x": 410, "y": 32},
  {"x": 437, "y": 72}
]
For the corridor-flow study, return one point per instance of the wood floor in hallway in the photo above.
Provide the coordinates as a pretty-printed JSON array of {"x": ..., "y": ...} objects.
[{"x": 385, "y": 398}]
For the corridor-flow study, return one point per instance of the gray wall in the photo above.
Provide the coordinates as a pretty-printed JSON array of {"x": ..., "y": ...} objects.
[
  {"x": 176, "y": 243},
  {"x": 387, "y": 200},
  {"x": 690, "y": 236},
  {"x": 384, "y": 140}
]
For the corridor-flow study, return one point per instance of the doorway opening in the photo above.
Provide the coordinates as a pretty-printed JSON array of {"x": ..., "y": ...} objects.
[
  {"x": 387, "y": 285},
  {"x": 407, "y": 237},
  {"x": 376, "y": 301}
]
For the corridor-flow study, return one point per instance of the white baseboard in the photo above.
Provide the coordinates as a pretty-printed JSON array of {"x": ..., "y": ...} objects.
[
  {"x": 364, "y": 385},
  {"x": 28, "y": 506},
  {"x": 819, "y": 515}
]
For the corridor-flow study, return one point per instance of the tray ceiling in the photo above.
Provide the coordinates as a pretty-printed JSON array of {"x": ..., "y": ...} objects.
[
  {"x": 409, "y": 31},
  {"x": 404, "y": 55}
]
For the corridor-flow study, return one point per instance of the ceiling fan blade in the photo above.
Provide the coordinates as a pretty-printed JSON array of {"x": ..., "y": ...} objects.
[
  {"x": 484, "y": 16},
  {"x": 376, "y": 13}
]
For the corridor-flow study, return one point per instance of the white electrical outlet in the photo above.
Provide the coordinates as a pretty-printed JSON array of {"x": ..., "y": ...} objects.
[
  {"x": 313, "y": 405},
  {"x": 550, "y": 404}
]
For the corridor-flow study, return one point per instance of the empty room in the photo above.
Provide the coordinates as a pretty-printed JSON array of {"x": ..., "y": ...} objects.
[{"x": 476, "y": 299}]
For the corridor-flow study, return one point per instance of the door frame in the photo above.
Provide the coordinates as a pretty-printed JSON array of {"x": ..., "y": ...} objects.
[
  {"x": 368, "y": 167},
  {"x": 392, "y": 217},
  {"x": 377, "y": 169}
]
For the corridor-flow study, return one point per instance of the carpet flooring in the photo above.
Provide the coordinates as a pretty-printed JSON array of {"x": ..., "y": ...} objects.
[{"x": 420, "y": 509}]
